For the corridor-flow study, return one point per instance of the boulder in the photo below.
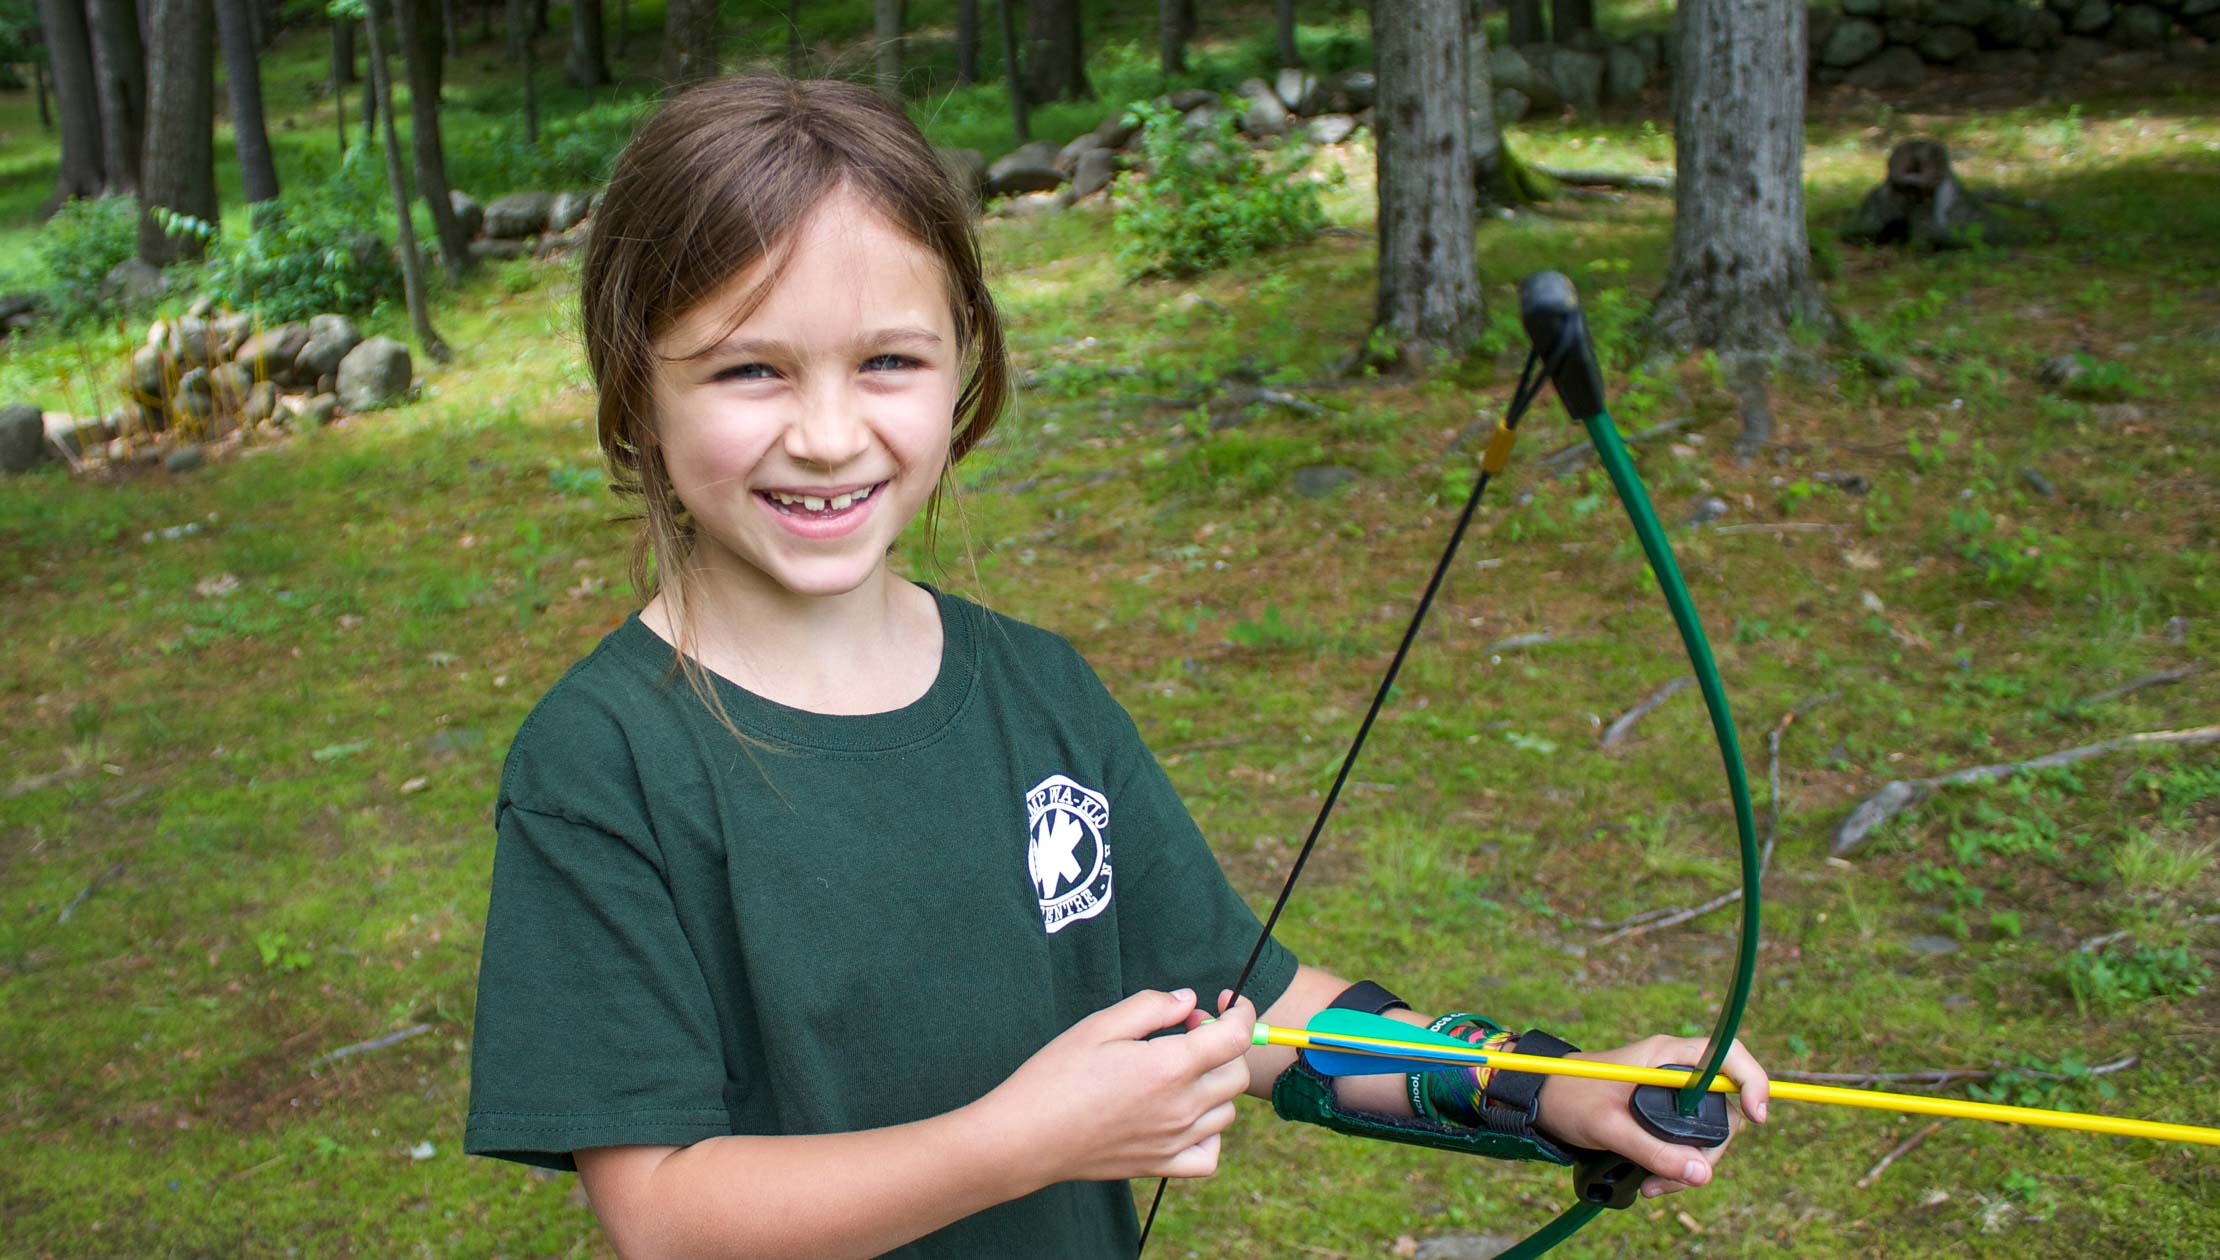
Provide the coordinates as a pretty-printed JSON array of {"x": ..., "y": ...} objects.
[
  {"x": 1360, "y": 86},
  {"x": 1897, "y": 69},
  {"x": 500, "y": 251},
  {"x": 1543, "y": 90},
  {"x": 1511, "y": 105},
  {"x": 1578, "y": 77},
  {"x": 1095, "y": 170},
  {"x": 469, "y": 212},
  {"x": 269, "y": 354},
  {"x": 1027, "y": 168},
  {"x": 1960, "y": 12},
  {"x": 1263, "y": 116},
  {"x": 185, "y": 458},
  {"x": 1187, "y": 100},
  {"x": 374, "y": 374},
  {"x": 228, "y": 384},
  {"x": 967, "y": 170},
  {"x": 518, "y": 215},
  {"x": 566, "y": 211},
  {"x": 1332, "y": 128},
  {"x": 2023, "y": 26},
  {"x": 318, "y": 411},
  {"x": 194, "y": 397},
  {"x": 1509, "y": 68},
  {"x": 260, "y": 404},
  {"x": 1067, "y": 158},
  {"x": 2141, "y": 26},
  {"x": 1300, "y": 91},
  {"x": 330, "y": 338},
  {"x": 1948, "y": 45},
  {"x": 1905, "y": 30},
  {"x": 1117, "y": 130},
  {"x": 1202, "y": 120},
  {"x": 1650, "y": 47},
  {"x": 1851, "y": 42},
  {"x": 133, "y": 282},
  {"x": 149, "y": 377},
  {"x": 2089, "y": 17},
  {"x": 76, "y": 435},
  {"x": 191, "y": 342},
  {"x": 228, "y": 331},
  {"x": 22, "y": 438},
  {"x": 1623, "y": 75}
]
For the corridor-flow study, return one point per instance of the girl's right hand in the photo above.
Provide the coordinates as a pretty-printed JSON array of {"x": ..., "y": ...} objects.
[{"x": 1100, "y": 1103}]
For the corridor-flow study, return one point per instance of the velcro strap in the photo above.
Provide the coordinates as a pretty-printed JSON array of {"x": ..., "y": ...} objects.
[{"x": 1302, "y": 1094}]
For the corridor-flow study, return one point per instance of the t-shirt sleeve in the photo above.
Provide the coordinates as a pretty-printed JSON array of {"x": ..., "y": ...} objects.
[
  {"x": 1183, "y": 923},
  {"x": 594, "y": 1025}
]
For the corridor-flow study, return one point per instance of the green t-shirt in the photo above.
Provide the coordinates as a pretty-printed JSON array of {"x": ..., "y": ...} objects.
[{"x": 855, "y": 922}]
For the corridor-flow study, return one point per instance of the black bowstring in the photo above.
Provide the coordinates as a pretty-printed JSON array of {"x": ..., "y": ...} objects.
[{"x": 1530, "y": 384}]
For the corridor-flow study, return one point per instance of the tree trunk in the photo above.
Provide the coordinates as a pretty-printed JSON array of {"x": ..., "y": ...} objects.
[
  {"x": 1485, "y": 136},
  {"x": 1283, "y": 28},
  {"x": 1740, "y": 271},
  {"x": 84, "y": 165},
  {"x": 447, "y": 30},
  {"x": 521, "y": 47},
  {"x": 1429, "y": 281},
  {"x": 1568, "y": 18},
  {"x": 38, "y": 88},
  {"x": 412, "y": 263},
  {"x": 689, "y": 42},
  {"x": 120, "y": 62},
  {"x": 886, "y": 47},
  {"x": 1525, "y": 23},
  {"x": 967, "y": 42},
  {"x": 1175, "y": 25},
  {"x": 587, "y": 65},
  {"x": 249, "y": 137},
  {"x": 342, "y": 54},
  {"x": 178, "y": 170},
  {"x": 1055, "y": 54},
  {"x": 1013, "y": 70},
  {"x": 421, "y": 44}
]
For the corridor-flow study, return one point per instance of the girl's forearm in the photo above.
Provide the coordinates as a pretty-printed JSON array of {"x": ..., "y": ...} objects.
[{"x": 1310, "y": 992}]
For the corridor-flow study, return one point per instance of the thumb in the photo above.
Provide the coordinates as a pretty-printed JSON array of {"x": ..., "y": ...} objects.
[{"x": 1146, "y": 1012}]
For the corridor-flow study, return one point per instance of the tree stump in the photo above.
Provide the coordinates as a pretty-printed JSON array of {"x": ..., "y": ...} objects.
[{"x": 1921, "y": 204}]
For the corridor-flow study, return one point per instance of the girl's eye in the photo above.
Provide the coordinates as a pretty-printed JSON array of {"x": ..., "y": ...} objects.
[
  {"x": 889, "y": 363},
  {"x": 747, "y": 372}
]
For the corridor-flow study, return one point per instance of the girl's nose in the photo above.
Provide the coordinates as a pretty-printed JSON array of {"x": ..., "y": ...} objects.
[{"x": 829, "y": 432}]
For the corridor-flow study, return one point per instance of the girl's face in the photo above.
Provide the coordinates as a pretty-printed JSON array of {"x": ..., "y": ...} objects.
[{"x": 806, "y": 438}]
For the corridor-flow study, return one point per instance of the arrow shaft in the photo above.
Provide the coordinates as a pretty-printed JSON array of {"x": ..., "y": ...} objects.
[{"x": 1792, "y": 1091}]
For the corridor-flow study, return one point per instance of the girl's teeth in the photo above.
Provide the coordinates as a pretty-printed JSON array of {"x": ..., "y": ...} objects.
[
  {"x": 809, "y": 503},
  {"x": 812, "y": 504},
  {"x": 841, "y": 501}
]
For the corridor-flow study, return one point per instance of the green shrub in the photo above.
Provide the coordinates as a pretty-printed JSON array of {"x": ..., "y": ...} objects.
[
  {"x": 575, "y": 151},
  {"x": 313, "y": 252},
  {"x": 79, "y": 246},
  {"x": 1207, "y": 201}
]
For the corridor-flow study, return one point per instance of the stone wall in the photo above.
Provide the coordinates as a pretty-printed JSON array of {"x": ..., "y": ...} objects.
[{"x": 1888, "y": 45}]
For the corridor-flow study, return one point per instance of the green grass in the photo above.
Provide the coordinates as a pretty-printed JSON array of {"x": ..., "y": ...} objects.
[{"x": 264, "y": 805}]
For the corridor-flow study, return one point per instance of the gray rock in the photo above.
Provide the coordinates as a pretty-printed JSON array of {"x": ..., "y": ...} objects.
[
  {"x": 2089, "y": 17},
  {"x": 1708, "y": 509},
  {"x": 330, "y": 337},
  {"x": 1650, "y": 47},
  {"x": 192, "y": 343},
  {"x": 1463, "y": 1246},
  {"x": 1202, "y": 120},
  {"x": 22, "y": 438},
  {"x": 1897, "y": 69},
  {"x": 1542, "y": 89},
  {"x": 228, "y": 331},
  {"x": 185, "y": 458},
  {"x": 77, "y": 435},
  {"x": 2023, "y": 26},
  {"x": 149, "y": 377},
  {"x": 2061, "y": 369},
  {"x": 194, "y": 398},
  {"x": 518, "y": 215},
  {"x": 1117, "y": 130},
  {"x": 967, "y": 169},
  {"x": 260, "y": 404},
  {"x": 1361, "y": 88},
  {"x": 2010, "y": 63},
  {"x": 1509, "y": 68},
  {"x": 566, "y": 211},
  {"x": 1960, "y": 12},
  {"x": 1623, "y": 75},
  {"x": 1332, "y": 128},
  {"x": 133, "y": 282},
  {"x": 1316, "y": 481},
  {"x": 1906, "y": 31},
  {"x": 228, "y": 384},
  {"x": 1300, "y": 91},
  {"x": 1264, "y": 116},
  {"x": 318, "y": 411},
  {"x": 1027, "y": 168},
  {"x": 469, "y": 212},
  {"x": 2141, "y": 26},
  {"x": 1511, "y": 105},
  {"x": 1096, "y": 168},
  {"x": 1578, "y": 77},
  {"x": 201, "y": 307},
  {"x": 1948, "y": 45},
  {"x": 374, "y": 374},
  {"x": 1931, "y": 945},
  {"x": 1851, "y": 42},
  {"x": 1067, "y": 158},
  {"x": 500, "y": 251},
  {"x": 269, "y": 354},
  {"x": 14, "y": 304},
  {"x": 1186, "y": 100}
]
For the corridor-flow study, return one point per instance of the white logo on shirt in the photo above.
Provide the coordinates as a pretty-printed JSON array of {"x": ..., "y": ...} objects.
[{"x": 1067, "y": 852}]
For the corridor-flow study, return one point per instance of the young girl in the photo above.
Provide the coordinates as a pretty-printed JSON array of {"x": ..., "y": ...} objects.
[{"x": 834, "y": 915}]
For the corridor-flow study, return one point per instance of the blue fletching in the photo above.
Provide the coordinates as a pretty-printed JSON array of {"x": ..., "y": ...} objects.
[{"x": 1328, "y": 1024}]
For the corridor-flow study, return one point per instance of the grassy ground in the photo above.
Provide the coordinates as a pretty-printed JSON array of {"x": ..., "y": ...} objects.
[{"x": 256, "y": 714}]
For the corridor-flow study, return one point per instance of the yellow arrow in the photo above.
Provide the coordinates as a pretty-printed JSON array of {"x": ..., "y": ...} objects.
[{"x": 1792, "y": 1091}]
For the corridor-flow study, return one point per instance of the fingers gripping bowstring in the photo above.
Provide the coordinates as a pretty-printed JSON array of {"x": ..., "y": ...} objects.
[{"x": 1529, "y": 386}]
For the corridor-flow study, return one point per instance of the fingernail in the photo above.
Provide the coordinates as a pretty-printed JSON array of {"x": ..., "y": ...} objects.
[
  {"x": 1184, "y": 995},
  {"x": 1694, "y": 1173},
  {"x": 1651, "y": 1192}
]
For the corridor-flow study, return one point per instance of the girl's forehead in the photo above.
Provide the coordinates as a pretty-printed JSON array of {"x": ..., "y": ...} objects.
[{"x": 845, "y": 264}]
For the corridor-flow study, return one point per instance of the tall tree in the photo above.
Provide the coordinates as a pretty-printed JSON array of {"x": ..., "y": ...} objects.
[
  {"x": 1011, "y": 70},
  {"x": 120, "y": 62},
  {"x": 521, "y": 46},
  {"x": 412, "y": 262},
  {"x": 84, "y": 165},
  {"x": 1740, "y": 271},
  {"x": 886, "y": 47},
  {"x": 587, "y": 64},
  {"x": 342, "y": 69},
  {"x": 1525, "y": 18},
  {"x": 1283, "y": 31},
  {"x": 1055, "y": 52},
  {"x": 967, "y": 42},
  {"x": 421, "y": 48},
  {"x": 1568, "y": 18},
  {"x": 249, "y": 137},
  {"x": 689, "y": 42},
  {"x": 1175, "y": 25},
  {"x": 447, "y": 28},
  {"x": 1429, "y": 279},
  {"x": 178, "y": 170}
]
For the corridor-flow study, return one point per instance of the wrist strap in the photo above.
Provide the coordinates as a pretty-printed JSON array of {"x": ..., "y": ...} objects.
[
  {"x": 1512, "y": 1101},
  {"x": 1370, "y": 998}
]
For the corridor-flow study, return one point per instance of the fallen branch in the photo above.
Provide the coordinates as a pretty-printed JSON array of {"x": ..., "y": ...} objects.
[
  {"x": 1896, "y": 797},
  {"x": 2095, "y": 943},
  {"x": 2159, "y": 679},
  {"x": 1606, "y": 179},
  {"x": 1782, "y": 527},
  {"x": 1518, "y": 641},
  {"x": 1564, "y": 460},
  {"x": 375, "y": 1043},
  {"x": 1903, "y": 1148},
  {"x": 88, "y": 890},
  {"x": 1936, "y": 1078},
  {"x": 1652, "y": 920},
  {"x": 1625, "y": 722}
]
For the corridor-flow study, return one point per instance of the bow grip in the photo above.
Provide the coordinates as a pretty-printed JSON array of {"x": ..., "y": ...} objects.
[
  {"x": 1549, "y": 307},
  {"x": 1607, "y": 1179}
]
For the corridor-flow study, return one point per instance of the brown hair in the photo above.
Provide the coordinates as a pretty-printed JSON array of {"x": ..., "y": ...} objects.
[{"x": 717, "y": 181}]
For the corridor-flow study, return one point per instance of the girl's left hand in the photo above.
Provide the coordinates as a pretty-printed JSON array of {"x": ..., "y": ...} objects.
[{"x": 1597, "y": 1115}]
